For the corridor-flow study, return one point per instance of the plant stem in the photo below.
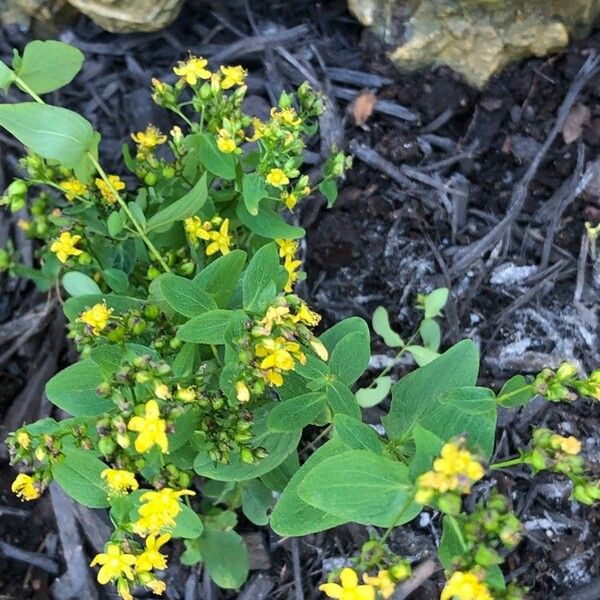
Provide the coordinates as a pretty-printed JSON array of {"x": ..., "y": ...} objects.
[
  {"x": 508, "y": 463},
  {"x": 21, "y": 84},
  {"x": 405, "y": 506},
  {"x": 394, "y": 361},
  {"x": 128, "y": 212},
  {"x": 516, "y": 392}
]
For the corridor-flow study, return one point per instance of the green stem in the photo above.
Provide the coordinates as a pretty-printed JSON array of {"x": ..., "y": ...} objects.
[
  {"x": 128, "y": 212},
  {"x": 508, "y": 463},
  {"x": 404, "y": 508},
  {"x": 516, "y": 392},
  {"x": 21, "y": 84},
  {"x": 216, "y": 354},
  {"x": 394, "y": 361}
]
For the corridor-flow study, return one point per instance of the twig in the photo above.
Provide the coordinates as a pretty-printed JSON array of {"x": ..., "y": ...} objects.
[
  {"x": 35, "y": 559},
  {"x": 480, "y": 247},
  {"x": 420, "y": 575},
  {"x": 581, "y": 262},
  {"x": 382, "y": 106},
  {"x": 298, "y": 593}
]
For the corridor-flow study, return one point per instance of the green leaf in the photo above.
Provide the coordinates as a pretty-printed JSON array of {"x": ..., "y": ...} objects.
[
  {"x": 52, "y": 132},
  {"x": 262, "y": 271},
  {"x": 278, "y": 445},
  {"x": 352, "y": 325},
  {"x": 452, "y": 545},
  {"x": 79, "y": 475},
  {"x": 117, "y": 280},
  {"x": 254, "y": 189},
  {"x": 434, "y": 302},
  {"x": 79, "y": 284},
  {"x": 521, "y": 392},
  {"x": 220, "y": 164},
  {"x": 381, "y": 326},
  {"x": 184, "y": 296},
  {"x": 47, "y": 66},
  {"x": 184, "y": 362},
  {"x": 341, "y": 400},
  {"x": 350, "y": 357},
  {"x": 314, "y": 369},
  {"x": 356, "y": 434},
  {"x": 329, "y": 189},
  {"x": 207, "y": 328},
  {"x": 115, "y": 223},
  {"x": 296, "y": 412},
  {"x": 292, "y": 516},
  {"x": 278, "y": 478},
  {"x": 188, "y": 524},
  {"x": 269, "y": 224},
  {"x": 427, "y": 447},
  {"x": 368, "y": 397},
  {"x": 108, "y": 357},
  {"x": 495, "y": 578},
  {"x": 179, "y": 210},
  {"x": 360, "y": 486},
  {"x": 257, "y": 499},
  {"x": 183, "y": 428},
  {"x": 423, "y": 356},
  {"x": 74, "y": 390},
  {"x": 220, "y": 277},
  {"x": 74, "y": 306},
  {"x": 6, "y": 77},
  {"x": 225, "y": 557},
  {"x": 430, "y": 333}
]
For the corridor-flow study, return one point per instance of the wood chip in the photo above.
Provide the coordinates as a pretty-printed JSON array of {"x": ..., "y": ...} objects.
[
  {"x": 361, "y": 108},
  {"x": 573, "y": 126}
]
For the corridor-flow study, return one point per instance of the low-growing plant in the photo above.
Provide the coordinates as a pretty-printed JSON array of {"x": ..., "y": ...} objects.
[{"x": 197, "y": 358}]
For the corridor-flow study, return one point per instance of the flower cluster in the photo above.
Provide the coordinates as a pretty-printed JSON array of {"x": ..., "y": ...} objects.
[
  {"x": 274, "y": 344},
  {"x": 565, "y": 385},
  {"x": 348, "y": 587},
  {"x": 466, "y": 585},
  {"x": 214, "y": 232},
  {"x": 453, "y": 474}
]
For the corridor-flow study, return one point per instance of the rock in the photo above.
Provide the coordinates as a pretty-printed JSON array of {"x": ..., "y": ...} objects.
[{"x": 477, "y": 38}]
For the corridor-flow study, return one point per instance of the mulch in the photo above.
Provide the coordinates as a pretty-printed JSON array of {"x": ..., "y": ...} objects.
[{"x": 483, "y": 192}]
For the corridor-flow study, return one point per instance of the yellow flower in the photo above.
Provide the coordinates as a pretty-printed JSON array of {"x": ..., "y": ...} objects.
[
  {"x": 306, "y": 316},
  {"x": 287, "y": 247},
  {"x": 289, "y": 199},
  {"x": 349, "y": 588},
  {"x": 569, "y": 445},
  {"x": 123, "y": 589},
  {"x": 158, "y": 587},
  {"x": 114, "y": 564},
  {"x": 72, "y": 188},
  {"x": 286, "y": 116},
  {"x": 161, "y": 391},
  {"x": 275, "y": 315},
  {"x": 187, "y": 394},
  {"x": 149, "y": 139},
  {"x": 221, "y": 240},
  {"x": 225, "y": 143},
  {"x": 383, "y": 582},
  {"x": 106, "y": 189},
  {"x": 197, "y": 230},
  {"x": 158, "y": 510},
  {"x": 273, "y": 377},
  {"x": 260, "y": 129},
  {"x": 25, "y": 487},
  {"x": 319, "y": 349},
  {"x": 64, "y": 246},
  {"x": 291, "y": 266},
  {"x": 24, "y": 224},
  {"x": 119, "y": 481},
  {"x": 192, "y": 69},
  {"x": 151, "y": 558},
  {"x": 151, "y": 429},
  {"x": 96, "y": 317},
  {"x": 465, "y": 586},
  {"x": 23, "y": 439},
  {"x": 242, "y": 392},
  {"x": 233, "y": 76},
  {"x": 279, "y": 353},
  {"x": 277, "y": 178}
]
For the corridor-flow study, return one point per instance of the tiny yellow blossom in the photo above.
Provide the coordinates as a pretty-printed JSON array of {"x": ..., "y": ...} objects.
[
  {"x": 114, "y": 564},
  {"x": 192, "y": 69},
  {"x": 106, "y": 188},
  {"x": 289, "y": 199},
  {"x": 151, "y": 429},
  {"x": 196, "y": 230},
  {"x": 158, "y": 587},
  {"x": 72, "y": 188},
  {"x": 275, "y": 315},
  {"x": 25, "y": 487},
  {"x": 225, "y": 143},
  {"x": 185, "y": 394},
  {"x": 279, "y": 353},
  {"x": 291, "y": 266},
  {"x": 158, "y": 510},
  {"x": 465, "y": 586},
  {"x": 161, "y": 391},
  {"x": 286, "y": 116},
  {"x": 151, "y": 558},
  {"x": 119, "y": 481},
  {"x": 277, "y": 178},
  {"x": 23, "y": 439},
  {"x": 349, "y": 588},
  {"x": 221, "y": 240},
  {"x": 273, "y": 378},
  {"x": 287, "y": 247},
  {"x": 306, "y": 316},
  {"x": 382, "y": 582},
  {"x": 150, "y": 138},
  {"x": 232, "y": 76},
  {"x": 64, "y": 246},
  {"x": 569, "y": 445},
  {"x": 242, "y": 392},
  {"x": 96, "y": 317}
]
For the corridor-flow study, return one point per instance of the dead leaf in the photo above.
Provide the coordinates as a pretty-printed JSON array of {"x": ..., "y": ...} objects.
[
  {"x": 361, "y": 107},
  {"x": 573, "y": 126}
]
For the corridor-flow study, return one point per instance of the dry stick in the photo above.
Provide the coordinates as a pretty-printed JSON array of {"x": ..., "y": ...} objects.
[
  {"x": 298, "y": 594},
  {"x": 420, "y": 575},
  {"x": 581, "y": 262},
  {"x": 35, "y": 559},
  {"x": 486, "y": 243}
]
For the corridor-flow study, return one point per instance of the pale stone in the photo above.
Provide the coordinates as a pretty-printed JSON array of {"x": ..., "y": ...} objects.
[{"x": 474, "y": 37}]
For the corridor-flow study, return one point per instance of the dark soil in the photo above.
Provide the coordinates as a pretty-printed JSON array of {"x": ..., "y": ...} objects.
[{"x": 384, "y": 241}]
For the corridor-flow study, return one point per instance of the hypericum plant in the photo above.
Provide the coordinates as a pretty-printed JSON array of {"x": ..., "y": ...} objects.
[{"x": 198, "y": 358}]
